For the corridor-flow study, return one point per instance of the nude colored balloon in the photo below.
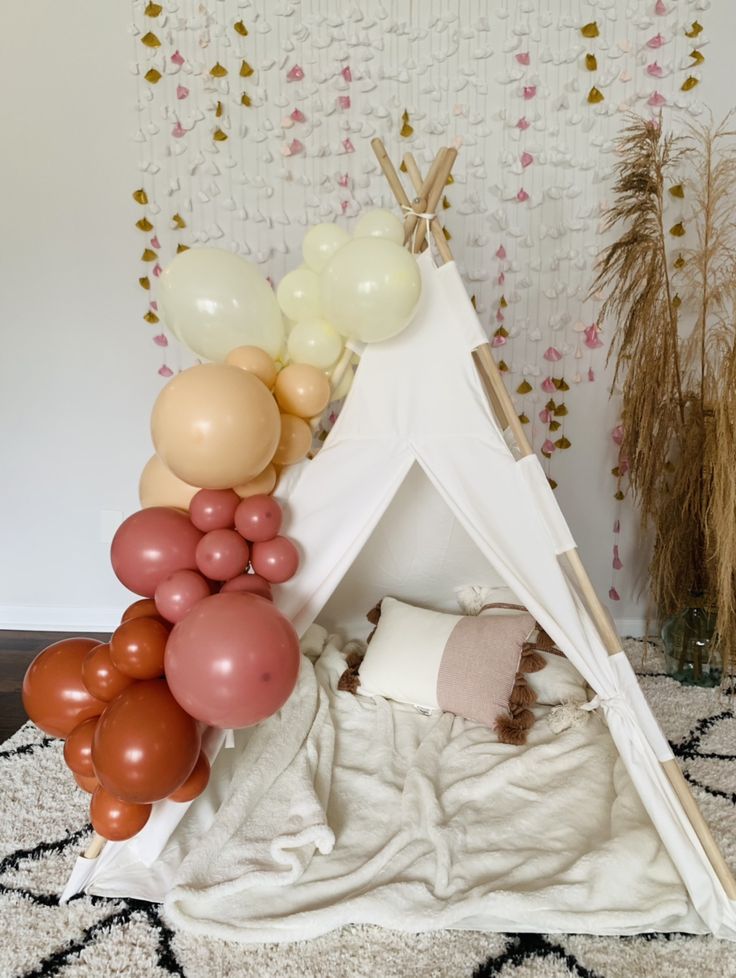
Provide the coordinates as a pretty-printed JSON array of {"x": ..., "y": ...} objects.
[
  {"x": 258, "y": 518},
  {"x": 137, "y": 648},
  {"x": 255, "y": 361},
  {"x": 101, "y": 677},
  {"x": 380, "y": 223},
  {"x": 213, "y": 301},
  {"x": 158, "y": 486},
  {"x": 314, "y": 341},
  {"x": 320, "y": 243},
  {"x": 222, "y": 554},
  {"x": 249, "y": 584},
  {"x": 195, "y": 783},
  {"x": 54, "y": 695},
  {"x": 298, "y": 294},
  {"x": 213, "y": 509},
  {"x": 302, "y": 390},
  {"x": 78, "y": 748},
  {"x": 114, "y": 819},
  {"x": 277, "y": 560},
  {"x": 295, "y": 441},
  {"x": 264, "y": 482},
  {"x": 215, "y": 426},
  {"x": 370, "y": 289},
  {"x": 178, "y": 594}
]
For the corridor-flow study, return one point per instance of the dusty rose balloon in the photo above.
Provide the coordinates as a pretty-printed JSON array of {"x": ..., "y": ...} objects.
[
  {"x": 277, "y": 560},
  {"x": 303, "y": 390},
  {"x": 90, "y": 785},
  {"x": 137, "y": 648},
  {"x": 258, "y": 518},
  {"x": 145, "y": 745},
  {"x": 233, "y": 661},
  {"x": 222, "y": 554},
  {"x": 213, "y": 509},
  {"x": 152, "y": 544},
  {"x": 78, "y": 749},
  {"x": 54, "y": 694},
  {"x": 249, "y": 584},
  {"x": 195, "y": 783},
  {"x": 178, "y": 594},
  {"x": 101, "y": 677},
  {"x": 114, "y": 819}
]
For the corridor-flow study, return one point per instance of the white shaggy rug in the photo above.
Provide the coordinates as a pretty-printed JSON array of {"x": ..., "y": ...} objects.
[{"x": 43, "y": 827}]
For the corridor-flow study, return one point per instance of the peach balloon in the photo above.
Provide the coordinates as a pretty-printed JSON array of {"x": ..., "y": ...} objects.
[
  {"x": 263, "y": 483},
  {"x": 158, "y": 486},
  {"x": 302, "y": 390},
  {"x": 215, "y": 426},
  {"x": 255, "y": 361},
  {"x": 295, "y": 441}
]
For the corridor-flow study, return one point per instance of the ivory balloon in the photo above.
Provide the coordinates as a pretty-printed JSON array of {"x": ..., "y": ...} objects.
[
  {"x": 264, "y": 482},
  {"x": 213, "y": 300},
  {"x": 370, "y": 289},
  {"x": 302, "y": 390},
  {"x": 321, "y": 242},
  {"x": 295, "y": 442},
  {"x": 255, "y": 361},
  {"x": 314, "y": 341},
  {"x": 298, "y": 294},
  {"x": 215, "y": 426},
  {"x": 380, "y": 223},
  {"x": 158, "y": 486}
]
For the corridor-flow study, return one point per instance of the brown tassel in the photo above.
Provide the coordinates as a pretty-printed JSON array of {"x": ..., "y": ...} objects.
[
  {"x": 349, "y": 681},
  {"x": 544, "y": 642},
  {"x": 354, "y": 660},
  {"x": 524, "y": 718},
  {"x": 510, "y": 731},
  {"x": 522, "y": 694},
  {"x": 531, "y": 661},
  {"x": 374, "y": 614}
]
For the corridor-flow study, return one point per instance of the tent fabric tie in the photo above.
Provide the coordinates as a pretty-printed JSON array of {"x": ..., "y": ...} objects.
[{"x": 425, "y": 216}]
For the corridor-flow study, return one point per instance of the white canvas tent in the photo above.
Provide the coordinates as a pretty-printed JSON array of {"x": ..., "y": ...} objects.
[{"x": 419, "y": 489}]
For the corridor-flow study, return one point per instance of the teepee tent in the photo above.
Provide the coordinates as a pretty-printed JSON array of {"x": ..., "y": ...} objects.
[{"x": 427, "y": 483}]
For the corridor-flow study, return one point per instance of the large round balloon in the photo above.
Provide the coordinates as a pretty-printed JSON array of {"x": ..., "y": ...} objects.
[
  {"x": 54, "y": 694},
  {"x": 213, "y": 300},
  {"x": 114, "y": 819},
  {"x": 320, "y": 243},
  {"x": 145, "y": 745},
  {"x": 314, "y": 341},
  {"x": 302, "y": 390},
  {"x": 380, "y": 223},
  {"x": 370, "y": 289},
  {"x": 101, "y": 677},
  {"x": 215, "y": 426},
  {"x": 298, "y": 294},
  {"x": 158, "y": 486},
  {"x": 150, "y": 545},
  {"x": 233, "y": 661}
]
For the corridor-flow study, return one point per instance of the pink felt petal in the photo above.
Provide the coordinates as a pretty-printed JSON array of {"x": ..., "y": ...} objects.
[
  {"x": 165, "y": 371},
  {"x": 522, "y": 196},
  {"x": 655, "y": 42},
  {"x": 526, "y": 159},
  {"x": 500, "y": 252},
  {"x": 617, "y": 526},
  {"x": 181, "y": 91},
  {"x": 613, "y": 594},
  {"x": 656, "y": 99},
  {"x": 297, "y": 116},
  {"x": 552, "y": 354},
  {"x": 177, "y": 58},
  {"x": 544, "y": 416},
  {"x": 529, "y": 91},
  {"x": 549, "y": 446},
  {"x": 591, "y": 375},
  {"x": 178, "y": 131},
  {"x": 618, "y": 434},
  {"x": 347, "y": 145},
  {"x": 343, "y": 101},
  {"x": 343, "y": 179},
  {"x": 347, "y": 74},
  {"x": 655, "y": 70},
  {"x": 295, "y": 74},
  {"x": 523, "y": 57},
  {"x": 548, "y": 385},
  {"x": 523, "y": 123},
  {"x": 498, "y": 341},
  {"x": 160, "y": 340}
]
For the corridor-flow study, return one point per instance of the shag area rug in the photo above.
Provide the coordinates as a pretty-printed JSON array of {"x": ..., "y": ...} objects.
[{"x": 43, "y": 826}]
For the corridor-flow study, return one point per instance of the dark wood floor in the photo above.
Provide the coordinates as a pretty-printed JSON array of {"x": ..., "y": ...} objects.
[{"x": 17, "y": 649}]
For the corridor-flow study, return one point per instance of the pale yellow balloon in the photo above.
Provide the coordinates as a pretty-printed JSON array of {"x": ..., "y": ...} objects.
[
  {"x": 380, "y": 223},
  {"x": 213, "y": 301},
  {"x": 302, "y": 390},
  {"x": 158, "y": 486},
  {"x": 370, "y": 289},
  {"x": 255, "y": 361},
  {"x": 321, "y": 242},
  {"x": 264, "y": 482},
  {"x": 215, "y": 426},
  {"x": 344, "y": 386},
  {"x": 298, "y": 294},
  {"x": 295, "y": 441},
  {"x": 314, "y": 341}
]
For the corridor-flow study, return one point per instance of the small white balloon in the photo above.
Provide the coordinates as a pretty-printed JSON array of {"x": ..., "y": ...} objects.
[
  {"x": 370, "y": 289},
  {"x": 316, "y": 342},
  {"x": 298, "y": 294},
  {"x": 380, "y": 224},
  {"x": 320, "y": 244}
]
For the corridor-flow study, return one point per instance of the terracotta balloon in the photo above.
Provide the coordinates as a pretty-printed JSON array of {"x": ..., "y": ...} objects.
[
  {"x": 195, "y": 783},
  {"x": 295, "y": 440},
  {"x": 258, "y": 518},
  {"x": 54, "y": 694},
  {"x": 213, "y": 509},
  {"x": 101, "y": 677},
  {"x": 145, "y": 608},
  {"x": 277, "y": 560},
  {"x": 264, "y": 482},
  {"x": 222, "y": 554},
  {"x": 250, "y": 584},
  {"x": 114, "y": 819},
  {"x": 215, "y": 426},
  {"x": 145, "y": 745},
  {"x": 177, "y": 595},
  {"x": 233, "y": 661},
  {"x": 90, "y": 785},
  {"x": 303, "y": 390},
  {"x": 137, "y": 648},
  {"x": 150, "y": 545},
  {"x": 158, "y": 486},
  {"x": 255, "y": 361},
  {"x": 78, "y": 749}
]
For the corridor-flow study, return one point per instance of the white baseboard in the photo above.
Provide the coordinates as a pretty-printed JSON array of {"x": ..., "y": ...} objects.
[{"x": 30, "y": 618}]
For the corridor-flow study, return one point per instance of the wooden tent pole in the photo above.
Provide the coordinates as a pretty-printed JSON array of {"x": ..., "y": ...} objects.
[
  {"x": 439, "y": 236},
  {"x": 436, "y": 188},
  {"x": 421, "y": 202},
  {"x": 384, "y": 161},
  {"x": 95, "y": 847}
]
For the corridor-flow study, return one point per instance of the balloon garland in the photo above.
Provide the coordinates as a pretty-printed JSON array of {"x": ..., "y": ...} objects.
[{"x": 205, "y": 550}]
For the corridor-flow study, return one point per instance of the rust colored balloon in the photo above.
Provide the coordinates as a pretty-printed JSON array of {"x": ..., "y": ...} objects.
[
  {"x": 90, "y": 785},
  {"x": 101, "y": 677},
  {"x": 145, "y": 608},
  {"x": 114, "y": 819},
  {"x": 78, "y": 749},
  {"x": 150, "y": 545},
  {"x": 54, "y": 695},
  {"x": 145, "y": 745},
  {"x": 195, "y": 783},
  {"x": 137, "y": 648}
]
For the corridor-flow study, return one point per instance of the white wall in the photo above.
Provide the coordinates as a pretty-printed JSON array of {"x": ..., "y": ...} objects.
[{"x": 78, "y": 369}]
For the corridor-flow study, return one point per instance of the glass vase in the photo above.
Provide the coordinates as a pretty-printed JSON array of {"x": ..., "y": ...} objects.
[{"x": 691, "y": 653}]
